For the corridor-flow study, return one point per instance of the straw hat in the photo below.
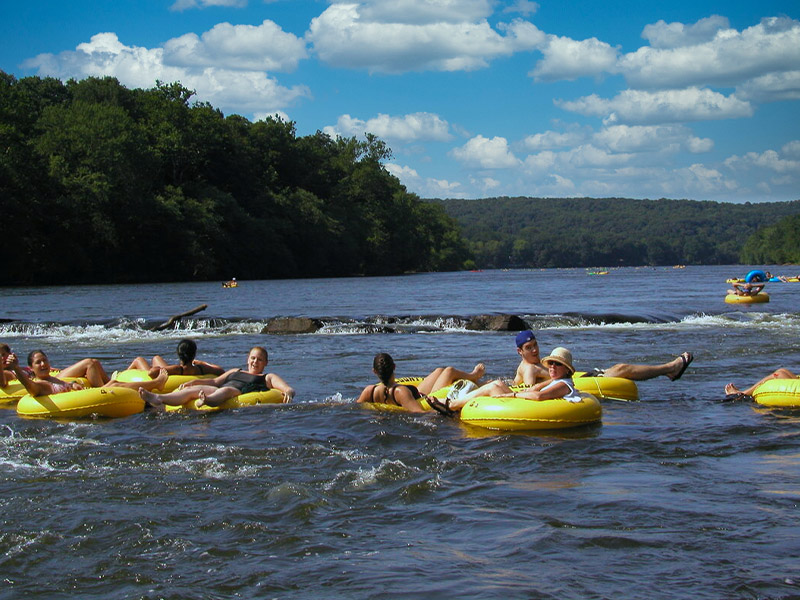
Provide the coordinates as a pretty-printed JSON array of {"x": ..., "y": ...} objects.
[{"x": 561, "y": 356}]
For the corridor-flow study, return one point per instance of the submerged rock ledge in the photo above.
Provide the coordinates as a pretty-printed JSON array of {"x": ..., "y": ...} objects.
[{"x": 296, "y": 325}]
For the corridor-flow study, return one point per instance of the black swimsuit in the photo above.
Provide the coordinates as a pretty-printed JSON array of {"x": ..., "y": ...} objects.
[
  {"x": 388, "y": 392},
  {"x": 246, "y": 382}
]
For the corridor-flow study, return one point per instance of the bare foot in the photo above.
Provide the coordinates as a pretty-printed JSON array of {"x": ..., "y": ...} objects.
[
  {"x": 161, "y": 379},
  {"x": 478, "y": 372},
  {"x": 731, "y": 389},
  {"x": 201, "y": 400},
  {"x": 149, "y": 397}
]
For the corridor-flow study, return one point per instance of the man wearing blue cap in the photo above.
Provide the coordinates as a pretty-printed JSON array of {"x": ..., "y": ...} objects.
[{"x": 531, "y": 370}]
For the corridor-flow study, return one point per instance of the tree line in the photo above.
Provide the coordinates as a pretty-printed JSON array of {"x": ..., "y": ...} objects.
[
  {"x": 579, "y": 232},
  {"x": 101, "y": 183},
  {"x": 104, "y": 184}
]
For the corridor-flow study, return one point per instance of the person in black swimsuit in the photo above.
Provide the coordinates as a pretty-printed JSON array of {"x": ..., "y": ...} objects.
[
  {"x": 186, "y": 350},
  {"x": 230, "y": 384},
  {"x": 388, "y": 391}
]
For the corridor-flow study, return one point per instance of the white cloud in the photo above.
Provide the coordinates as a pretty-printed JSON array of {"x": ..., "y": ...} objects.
[
  {"x": 541, "y": 162},
  {"x": 565, "y": 58},
  {"x": 353, "y": 36},
  {"x": 413, "y": 127},
  {"x": 241, "y": 91},
  {"x": 674, "y": 35},
  {"x": 265, "y": 47},
  {"x": 771, "y": 87},
  {"x": 553, "y": 139},
  {"x": 416, "y": 12},
  {"x": 769, "y": 160},
  {"x": 486, "y": 153},
  {"x": 792, "y": 149},
  {"x": 181, "y": 5},
  {"x": 524, "y": 7},
  {"x": 670, "y": 106},
  {"x": 729, "y": 58},
  {"x": 651, "y": 138}
]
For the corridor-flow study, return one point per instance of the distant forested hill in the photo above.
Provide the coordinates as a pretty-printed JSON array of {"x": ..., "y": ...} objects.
[{"x": 575, "y": 232}]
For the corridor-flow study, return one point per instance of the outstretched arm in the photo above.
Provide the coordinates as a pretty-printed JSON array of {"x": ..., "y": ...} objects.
[
  {"x": 274, "y": 381},
  {"x": 34, "y": 388}
]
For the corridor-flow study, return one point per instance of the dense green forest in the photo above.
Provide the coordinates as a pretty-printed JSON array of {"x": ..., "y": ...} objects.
[
  {"x": 778, "y": 243},
  {"x": 579, "y": 232},
  {"x": 100, "y": 183}
]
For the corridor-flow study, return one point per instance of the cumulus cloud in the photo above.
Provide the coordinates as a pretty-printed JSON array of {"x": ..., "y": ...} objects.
[
  {"x": 651, "y": 138},
  {"x": 370, "y": 35},
  {"x": 772, "y": 87},
  {"x": 523, "y": 7},
  {"x": 669, "y": 106},
  {"x": 674, "y": 35},
  {"x": 728, "y": 58},
  {"x": 264, "y": 47},
  {"x": 413, "y": 127},
  {"x": 768, "y": 160},
  {"x": 134, "y": 66},
  {"x": 565, "y": 58},
  {"x": 553, "y": 139},
  {"x": 486, "y": 153},
  {"x": 181, "y": 5},
  {"x": 414, "y": 12}
]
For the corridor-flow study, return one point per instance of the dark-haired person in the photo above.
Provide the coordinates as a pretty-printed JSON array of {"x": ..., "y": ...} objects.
[
  {"x": 531, "y": 371},
  {"x": 388, "y": 391},
  {"x": 188, "y": 365},
  {"x": 231, "y": 383},
  {"x": 44, "y": 384}
]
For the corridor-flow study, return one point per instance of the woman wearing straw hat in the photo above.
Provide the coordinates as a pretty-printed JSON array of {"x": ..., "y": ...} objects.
[{"x": 560, "y": 369}]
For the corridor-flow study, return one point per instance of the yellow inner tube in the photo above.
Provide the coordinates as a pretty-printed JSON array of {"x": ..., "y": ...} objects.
[
  {"x": 104, "y": 402},
  {"x": 736, "y": 299},
  {"x": 249, "y": 399},
  {"x": 518, "y": 414},
  {"x": 778, "y": 392},
  {"x": 173, "y": 381},
  {"x": 15, "y": 390}
]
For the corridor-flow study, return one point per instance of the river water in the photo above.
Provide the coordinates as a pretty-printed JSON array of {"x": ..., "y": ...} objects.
[{"x": 679, "y": 495}]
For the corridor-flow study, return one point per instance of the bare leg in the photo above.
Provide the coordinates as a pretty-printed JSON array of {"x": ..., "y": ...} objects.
[
  {"x": 778, "y": 374},
  {"x": 671, "y": 369},
  {"x": 156, "y": 383},
  {"x": 217, "y": 397},
  {"x": 159, "y": 362},
  {"x": 444, "y": 376},
  {"x": 89, "y": 368},
  {"x": 140, "y": 362},
  {"x": 493, "y": 388},
  {"x": 178, "y": 397}
]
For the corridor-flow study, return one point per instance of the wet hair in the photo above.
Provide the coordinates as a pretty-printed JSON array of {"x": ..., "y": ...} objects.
[
  {"x": 260, "y": 349},
  {"x": 5, "y": 348},
  {"x": 33, "y": 353},
  {"x": 187, "y": 350},
  {"x": 383, "y": 365}
]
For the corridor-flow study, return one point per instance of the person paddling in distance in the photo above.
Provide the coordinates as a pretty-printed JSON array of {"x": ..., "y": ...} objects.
[
  {"x": 43, "y": 384},
  {"x": 388, "y": 391},
  {"x": 232, "y": 383},
  {"x": 188, "y": 365},
  {"x": 559, "y": 385},
  {"x": 531, "y": 371}
]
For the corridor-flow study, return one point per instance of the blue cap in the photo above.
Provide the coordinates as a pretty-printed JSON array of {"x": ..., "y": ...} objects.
[{"x": 523, "y": 337}]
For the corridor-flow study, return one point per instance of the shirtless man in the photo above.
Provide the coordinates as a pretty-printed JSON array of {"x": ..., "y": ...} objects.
[{"x": 531, "y": 370}]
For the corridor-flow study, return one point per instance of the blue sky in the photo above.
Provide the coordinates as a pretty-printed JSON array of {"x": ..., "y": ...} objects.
[{"x": 476, "y": 98}]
